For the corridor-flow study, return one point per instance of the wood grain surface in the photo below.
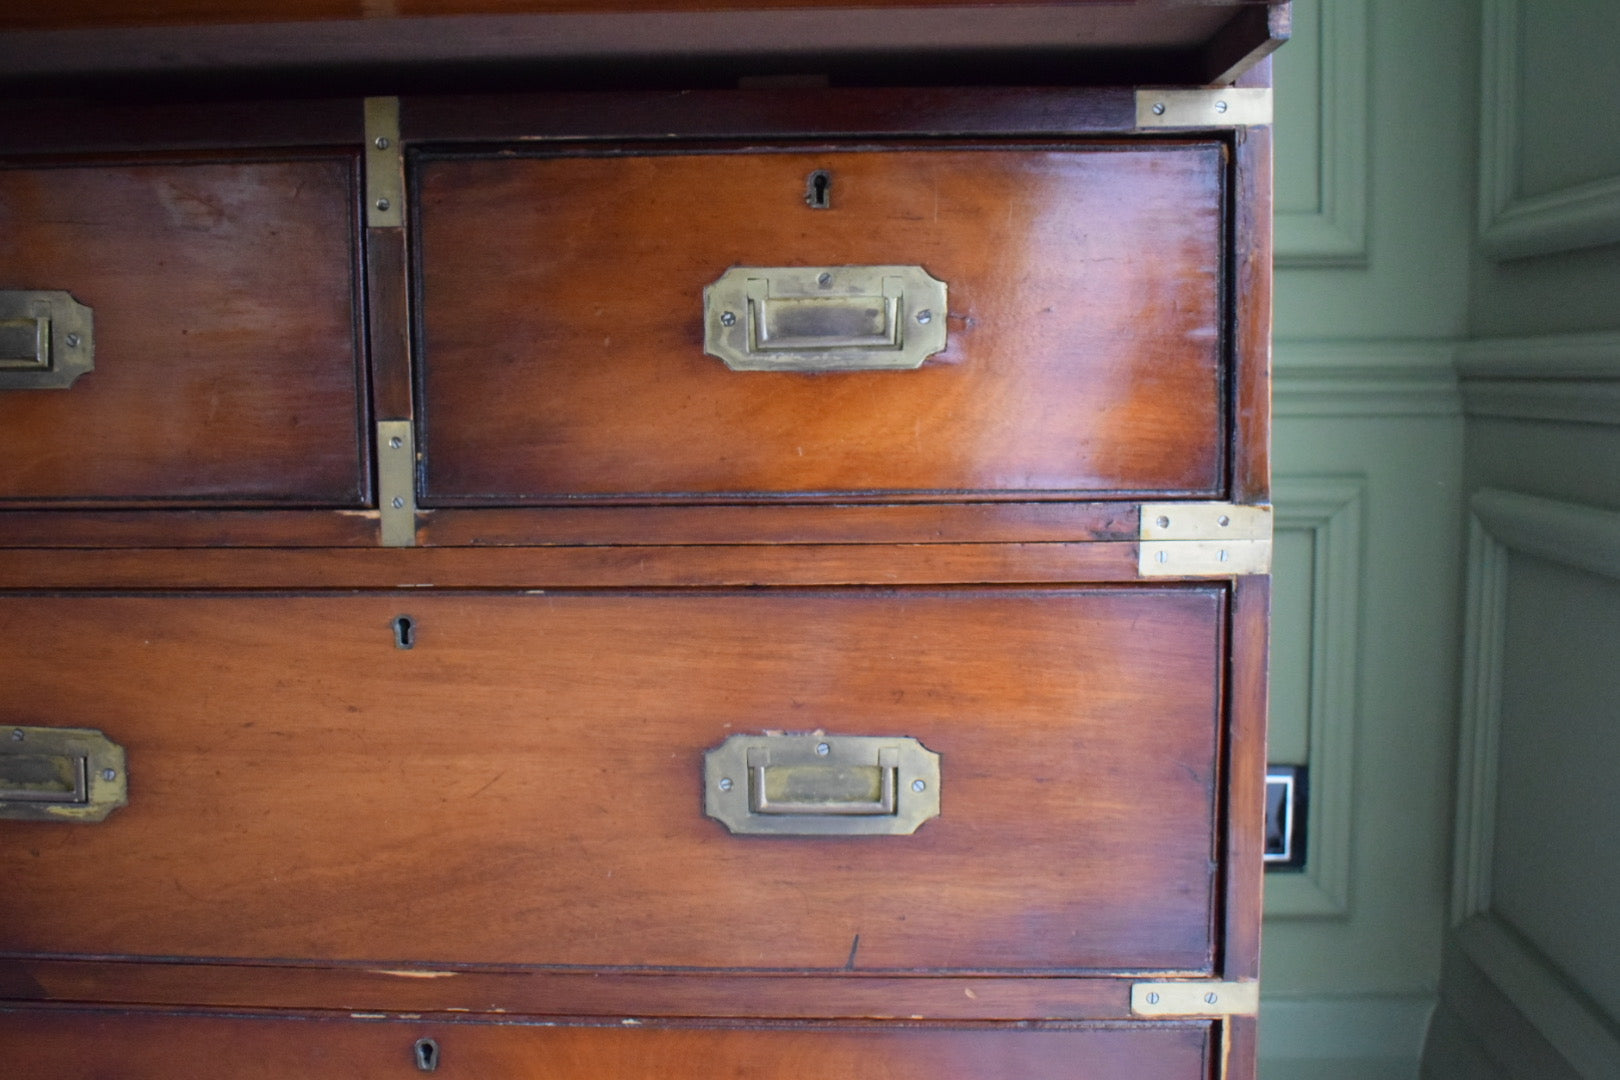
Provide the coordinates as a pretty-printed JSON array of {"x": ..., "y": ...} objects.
[
  {"x": 73, "y": 1045},
  {"x": 227, "y": 359},
  {"x": 519, "y": 991},
  {"x": 524, "y": 786},
  {"x": 656, "y": 566},
  {"x": 915, "y": 523},
  {"x": 561, "y": 343}
]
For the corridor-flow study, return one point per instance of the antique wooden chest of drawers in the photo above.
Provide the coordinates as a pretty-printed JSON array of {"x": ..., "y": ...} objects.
[{"x": 668, "y": 581}]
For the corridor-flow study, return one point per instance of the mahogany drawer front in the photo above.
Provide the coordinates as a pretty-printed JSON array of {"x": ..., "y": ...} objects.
[
  {"x": 524, "y": 786},
  {"x": 226, "y": 301},
  {"x": 67, "y": 1045},
  {"x": 561, "y": 324}
]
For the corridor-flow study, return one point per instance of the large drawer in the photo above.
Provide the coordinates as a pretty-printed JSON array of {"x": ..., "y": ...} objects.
[
  {"x": 225, "y": 299},
  {"x": 72, "y": 1045},
  {"x": 524, "y": 785},
  {"x": 561, "y": 330}
]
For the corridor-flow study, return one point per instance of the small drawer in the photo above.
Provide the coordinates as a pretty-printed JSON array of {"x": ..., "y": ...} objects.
[
  {"x": 520, "y": 780},
  {"x": 223, "y": 294},
  {"x": 1073, "y": 347},
  {"x": 73, "y": 1044}
]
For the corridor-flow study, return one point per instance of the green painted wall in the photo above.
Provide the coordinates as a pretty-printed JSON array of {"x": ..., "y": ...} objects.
[
  {"x": 1531, "y": 971},
  {"x": 1376, "y": 154},
  {"x": 1557, "y": 846},
  {"x": 1448, "y": 559}
]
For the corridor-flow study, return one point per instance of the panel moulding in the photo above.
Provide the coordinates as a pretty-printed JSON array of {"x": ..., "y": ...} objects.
[
  {"x": 1512, "y": 226},
  {"x": 1331, "y": 511},
  {"x": 1334, "y": 233},
  {"x": 1568, "y": 378},
  {"x": 1585, "y": 538},
  {"x": 1313, "y": 379}
]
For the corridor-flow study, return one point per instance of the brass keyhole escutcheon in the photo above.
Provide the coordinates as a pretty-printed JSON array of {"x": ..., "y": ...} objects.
[
  {"x": 818, "y": 190},
  {"x": 427, "y": 1055}
]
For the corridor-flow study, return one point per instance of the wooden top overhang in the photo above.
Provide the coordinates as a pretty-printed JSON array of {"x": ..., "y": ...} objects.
[{"x": 73, "y": 47}]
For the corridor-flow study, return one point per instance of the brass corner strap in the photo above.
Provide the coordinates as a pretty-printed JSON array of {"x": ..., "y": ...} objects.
[
  {"x": 1222, "y": 107},
  {"x": 1209, "y": 539},
  {"x": 1195, "y": 998}
]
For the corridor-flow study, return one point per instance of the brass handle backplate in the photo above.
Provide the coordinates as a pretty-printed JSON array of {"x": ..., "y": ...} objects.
[
  {"x": 60, "y": 774},
  {"x": 824, "y": 318},
  {"x": 821, "y": 785},
  {"x": 47, "y": 340}
]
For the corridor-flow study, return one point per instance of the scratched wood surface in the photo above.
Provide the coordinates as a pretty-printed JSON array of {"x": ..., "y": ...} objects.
[
  {"x": 73, "y": 1045},
  {"x": 562, "y": 325},
  {"x": 524, "y": 785},
  {"x": 227, "y": 365}
]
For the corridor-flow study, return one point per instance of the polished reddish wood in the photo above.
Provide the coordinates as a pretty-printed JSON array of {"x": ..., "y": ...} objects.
[
  {"x": 80, "y": 1045},
  {"x": 59, "y": 14},
  {"x": 830, "y": 112},
  {"x": 1244, "y": 776},
  {"x": 389, "y": 323},
  {"x": 518, "y": 45},
  {"x": 56, "y": 125},
  {"x": 569, "y": 567},
  {"x": 187, "y": 528},
  {"x": 561, "y": 348},
  {"x": 1252, "y": 233},
  {"x": 1240, "y": 1043},
  {"x": 916, "y": 523},
  {"x": 524, "y": 991},
  {"x": 225, "y": 294},
  {"x": 524, "y": 786}
]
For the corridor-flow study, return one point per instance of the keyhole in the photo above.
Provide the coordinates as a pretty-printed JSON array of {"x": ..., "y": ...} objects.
[
  {"x": 404, "y": 632},
  {"x": 818, "y": 190},
  {"x": 427, "y": 1055}
]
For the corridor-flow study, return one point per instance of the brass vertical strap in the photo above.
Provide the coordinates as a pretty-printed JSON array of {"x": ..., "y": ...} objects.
[
  {"x": 396, "y": 482},
  {"x": 385, "y": 165},
  {"x": 385, "y": 212}
]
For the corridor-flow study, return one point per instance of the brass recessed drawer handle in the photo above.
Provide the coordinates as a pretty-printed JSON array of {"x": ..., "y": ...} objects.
[
  {"x": 60, "y": 774},
  {"x": 47, "y": 340},
  {"x": 824, "y": 318},
  {"x": 821, "y": 785},
  {"x": 821, "y": 789}
]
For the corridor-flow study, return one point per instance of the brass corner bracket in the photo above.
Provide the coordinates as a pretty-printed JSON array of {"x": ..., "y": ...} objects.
[{"x": 1212, "y": 539}]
